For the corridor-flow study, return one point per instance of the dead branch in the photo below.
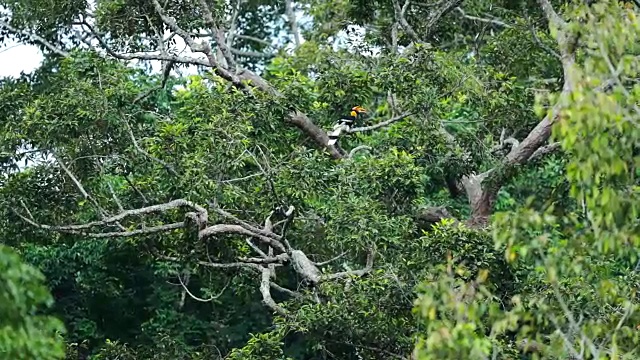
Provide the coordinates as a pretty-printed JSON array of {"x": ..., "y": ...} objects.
[
  {"x": 237, "y": 229},
  {"x": 127, "y": 213},
  {"x": 358, "y": 273},
  {"x": 443, "y": 8},
  {"x": 357, "y": 149},
  {"x": 213, "y": 297},
  {"x": 245, "y": 224},
  {"x": 545, "y": 150},
  {"x": 305, "y": 267},
  {"x": 79, "y": 229},
  {"x": 504, "y": 142},
  {"x": 219, "y": 34},
  {"x": 265, "y": 285},
  {"x": 291, "y": 17},
  {"x": 484, "y": 20}
]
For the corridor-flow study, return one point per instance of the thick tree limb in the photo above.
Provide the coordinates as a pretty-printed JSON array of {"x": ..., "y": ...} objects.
[
  {"x": 237, "y": 229},
  {"x": 482, "y": 189},
  {"x": 319, "y": 136},
  {"x": 265, "y": 285}
]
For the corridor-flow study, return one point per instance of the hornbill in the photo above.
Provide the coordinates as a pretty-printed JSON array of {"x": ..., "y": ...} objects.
[{"x": 345, "y": 123}]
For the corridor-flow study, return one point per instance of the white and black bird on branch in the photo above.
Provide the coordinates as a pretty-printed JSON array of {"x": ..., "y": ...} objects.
[{"x": 345, "y": 123}]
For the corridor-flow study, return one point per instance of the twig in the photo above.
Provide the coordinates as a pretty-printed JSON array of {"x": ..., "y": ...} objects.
[
  {"x": 358, "y": 148},
  {"x": 213, "y": 297},
  {"x": 330, "y": 260},
  {"x": 368, "y": 267},
  {"x": 379, "y": 125},
  {"x": 36, "y": 38},
  {"x": 145, "y": 153},
  {"x": 485, "y": 20}
]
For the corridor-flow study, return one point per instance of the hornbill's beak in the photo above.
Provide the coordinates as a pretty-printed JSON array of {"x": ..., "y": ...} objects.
[{"x": 359, "y": 109}]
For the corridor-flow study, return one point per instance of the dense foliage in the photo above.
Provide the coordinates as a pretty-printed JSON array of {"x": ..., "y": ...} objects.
[{"x": 486, "y": 206}]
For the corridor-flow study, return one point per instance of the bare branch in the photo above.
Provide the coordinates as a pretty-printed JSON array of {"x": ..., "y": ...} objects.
[
  {"x": 285, "y": 290},
  {"x": 161, "y": 56},
  {"x": 253, "y": 38},
  {"x": 213, "y": 297},
  {"x": 115, "y": 234},
  {"x": 319, "y": 136},
  {"x": 443, "y": 8},
  {"x": 233, "y": 24},
  {"x": 480, "y": 19},
  {"x": 368, "y": 267},
  {"x": 358, "y": 148},
  {"x": 265, "y": 284},
  {"x": 115, "y": 197},
  {"x": 35, "y": 38},
  {"x": 330, "y": 260},
  {"x": 251, "y": 53},
  {"x": 255, "y": 248},
  {"x": 379, "y": 125},
  {"x": 141, "y": 211},
  {"x": 245, "y": 224},
  {"x": 225, "y": 265},
  {"x": 540, "y": 43},
  {"x": 551, "y": 14},
  {"x": 291, "y": 17},
  {"x": 219, "y": 34},
  {"x": 84, "y": 192},
  {"x": 237, "y": 229},
  {"x": 545, "y": 150},
  {"x": 269, "y": 259}
]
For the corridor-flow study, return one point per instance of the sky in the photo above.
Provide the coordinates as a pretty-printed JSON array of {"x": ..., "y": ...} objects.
[{"x": 15, "y": 58}]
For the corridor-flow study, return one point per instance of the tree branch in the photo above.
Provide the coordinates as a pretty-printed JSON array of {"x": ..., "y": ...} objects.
[
  {"x": 145, "y": 153},
  {"x": 319, "y": 136},
  {"x": 213, "y": 297},
  {"x": 368, "y": 267},
  {"x": 379, "y": 125},
  {"x": 291, "y": 17},
  {"x": 35, "y": 38},
  {"x": 399, "y": 13}
]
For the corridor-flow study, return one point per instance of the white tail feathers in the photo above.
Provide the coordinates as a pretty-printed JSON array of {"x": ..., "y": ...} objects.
[{"x": 337, "y": 130}]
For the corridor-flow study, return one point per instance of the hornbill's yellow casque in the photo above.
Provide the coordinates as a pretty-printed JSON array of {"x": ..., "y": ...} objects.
[{"x": 345, "y": 124}]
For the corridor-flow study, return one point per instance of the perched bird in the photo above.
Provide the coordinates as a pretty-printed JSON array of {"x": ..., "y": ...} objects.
[{"x": 345, "y": 123}]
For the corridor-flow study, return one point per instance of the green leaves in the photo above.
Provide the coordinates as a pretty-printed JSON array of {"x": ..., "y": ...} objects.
[{"x": 25, "y": 332}]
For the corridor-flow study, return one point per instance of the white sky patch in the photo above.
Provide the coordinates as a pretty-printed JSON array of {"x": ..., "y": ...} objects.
[{"x": 16, "y": 58}]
